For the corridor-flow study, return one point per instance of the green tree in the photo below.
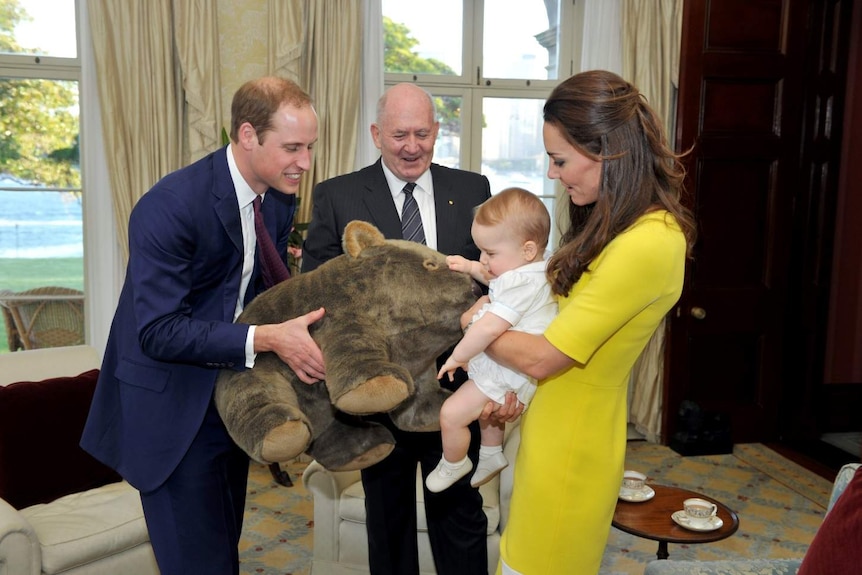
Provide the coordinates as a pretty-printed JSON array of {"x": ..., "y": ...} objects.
[
  {"x": 399, "y": 56},
  {"x": 38, "y": 118}
]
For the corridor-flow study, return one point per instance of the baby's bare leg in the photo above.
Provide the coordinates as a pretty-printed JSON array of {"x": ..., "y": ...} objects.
[
  {"x": 462, "y": 408},
  {"x": 492, "y": 432}
]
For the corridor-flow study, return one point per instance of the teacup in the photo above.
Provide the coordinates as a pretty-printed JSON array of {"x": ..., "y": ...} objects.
[
  {"x": 633, "y": 480},
  {"x": 699, "y": 510}
]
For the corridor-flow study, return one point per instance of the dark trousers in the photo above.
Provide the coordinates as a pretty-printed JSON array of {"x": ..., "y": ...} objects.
[
  {"x": 457, "y": 526},
  {"x": 195, "y": 518}
]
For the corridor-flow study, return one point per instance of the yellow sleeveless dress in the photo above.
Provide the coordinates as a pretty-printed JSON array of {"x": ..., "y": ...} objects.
[{"x": 573, "y": 437}]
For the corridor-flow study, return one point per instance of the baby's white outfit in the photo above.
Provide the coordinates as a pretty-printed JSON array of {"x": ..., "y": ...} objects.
[{"x": 522, "y": 297}]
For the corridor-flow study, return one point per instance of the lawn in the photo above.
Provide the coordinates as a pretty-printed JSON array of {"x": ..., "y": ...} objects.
[{"x": 18, "y": 274}]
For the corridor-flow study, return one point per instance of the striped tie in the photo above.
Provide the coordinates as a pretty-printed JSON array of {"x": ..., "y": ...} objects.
[{"x": 411, "y": 221}]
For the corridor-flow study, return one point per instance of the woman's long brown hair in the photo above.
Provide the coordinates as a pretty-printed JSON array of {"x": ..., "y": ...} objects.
[{"x": 607, "y": 119}]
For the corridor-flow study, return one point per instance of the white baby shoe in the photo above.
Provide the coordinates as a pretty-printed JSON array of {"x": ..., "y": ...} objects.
[
  {"x": 488, "y": 468},
  {"x": 444, "y": 475}
]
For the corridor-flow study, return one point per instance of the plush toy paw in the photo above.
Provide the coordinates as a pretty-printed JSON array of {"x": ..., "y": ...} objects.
[
  {"x": 375, "y": 395},
  {"x": 285, "y": 441},
  {"x": 349, "y": 444}
]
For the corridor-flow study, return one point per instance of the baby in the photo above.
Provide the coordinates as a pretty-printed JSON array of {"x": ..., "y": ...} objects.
[{"x": 511, "y": 229}]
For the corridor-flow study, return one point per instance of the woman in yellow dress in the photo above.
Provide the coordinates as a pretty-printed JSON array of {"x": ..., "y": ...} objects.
[{"x": 618, "y": 271}]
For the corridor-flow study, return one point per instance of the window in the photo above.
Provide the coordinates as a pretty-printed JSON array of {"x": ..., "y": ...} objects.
[
  {"x": 490, "y": 65},
  {"x": 41, "y": 224}
]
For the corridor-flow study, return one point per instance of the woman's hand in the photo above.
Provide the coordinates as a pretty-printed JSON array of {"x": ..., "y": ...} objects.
[{"x": 507, "y": 412}]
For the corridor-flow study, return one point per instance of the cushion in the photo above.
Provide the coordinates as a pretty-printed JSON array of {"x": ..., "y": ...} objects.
[
  {"x": 84, "y": 527},
  {"x": 835, "y": 547},
  {"x": 40, "y": 427}
]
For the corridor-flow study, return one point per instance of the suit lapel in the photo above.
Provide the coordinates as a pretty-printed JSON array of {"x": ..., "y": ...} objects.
[
  {"x": 445, "y": 200},
  {"x": 226, "y": 206},
  {"x": 378, "y": 202},
  {"x": 227, "y": 211}
]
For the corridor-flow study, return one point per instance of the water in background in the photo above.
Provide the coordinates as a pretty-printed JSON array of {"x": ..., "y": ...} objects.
[{"x": 40, "y": 225}]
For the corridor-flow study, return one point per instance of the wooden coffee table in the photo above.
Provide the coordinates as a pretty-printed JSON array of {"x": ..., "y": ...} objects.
[{"x": 651, "y": 519}]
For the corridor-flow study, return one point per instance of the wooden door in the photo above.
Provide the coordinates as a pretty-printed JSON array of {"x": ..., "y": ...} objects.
[
  {"x": 740, "y": 102},
  {"x": 823, "y": 367}
]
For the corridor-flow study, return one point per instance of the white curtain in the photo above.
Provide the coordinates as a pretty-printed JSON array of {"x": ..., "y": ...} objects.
[
  {"x": 331, "y": 71},
  {"x": 602, "y": 44},
  {"x": 317, "y": 43},
  {"x": 372, "y": 80},
  {"x": 285, "y": 34},
  {"x": 140, "y": 95},
  {"x": 651, "y": 34},
  {"x": 197, "y": 40}
]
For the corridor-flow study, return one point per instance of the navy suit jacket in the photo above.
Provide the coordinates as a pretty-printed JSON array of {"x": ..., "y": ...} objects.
[
  {"x": 173, "y": 328},
  {"x": 364, "y": 195}
]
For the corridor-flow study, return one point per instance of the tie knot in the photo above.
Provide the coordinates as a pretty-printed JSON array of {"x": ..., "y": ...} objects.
[
  {"x": 256, "y": 203},
  {"x": 409, "y": 187}
]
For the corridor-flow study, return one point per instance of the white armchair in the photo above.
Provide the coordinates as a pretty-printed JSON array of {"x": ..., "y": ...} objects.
[
  {"x": 95, "y": 530},
  {"x": 340, "y": 541}
]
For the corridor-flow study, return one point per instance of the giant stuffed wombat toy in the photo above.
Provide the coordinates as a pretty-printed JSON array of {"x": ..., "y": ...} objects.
[{"x": 392, "y": 307}]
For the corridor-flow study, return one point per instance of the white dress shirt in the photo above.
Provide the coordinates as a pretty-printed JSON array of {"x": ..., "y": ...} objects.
[{"x": 244, "y": 197}]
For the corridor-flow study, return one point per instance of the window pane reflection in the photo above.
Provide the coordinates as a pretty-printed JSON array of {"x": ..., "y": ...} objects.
[
  {"x": 44, "y": 27},
  {"x": 447, "y": 150},
  {"x": 512, "y": 150},
  {"x": 521, "y": 39},
  {"x": 40, "y": 225},
  {"x": 422, "y": 37}
]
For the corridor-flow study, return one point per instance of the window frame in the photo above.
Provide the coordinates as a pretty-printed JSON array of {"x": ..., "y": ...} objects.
[
  {"x": 103, "y": 260},
  {"x": 473, "y": 87}
]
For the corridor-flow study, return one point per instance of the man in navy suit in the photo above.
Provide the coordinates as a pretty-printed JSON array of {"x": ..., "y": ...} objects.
[
  {"x": 405, "y": 132},
  {"x": 192, "y": 266}
]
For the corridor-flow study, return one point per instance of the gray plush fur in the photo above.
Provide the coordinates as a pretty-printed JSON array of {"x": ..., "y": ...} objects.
[{"x": 392, "y": 307}]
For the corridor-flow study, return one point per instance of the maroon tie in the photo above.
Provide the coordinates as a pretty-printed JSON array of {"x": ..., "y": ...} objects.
[{"x": 271, "y": 265}]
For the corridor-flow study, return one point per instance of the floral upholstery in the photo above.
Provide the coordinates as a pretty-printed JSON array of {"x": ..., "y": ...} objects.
[{"x": 748, "y": 566}]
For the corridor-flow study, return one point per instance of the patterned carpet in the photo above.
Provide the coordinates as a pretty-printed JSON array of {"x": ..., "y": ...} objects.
[
  {"x": 780, "y": 506},
  {"x": 278, "y": 526}
]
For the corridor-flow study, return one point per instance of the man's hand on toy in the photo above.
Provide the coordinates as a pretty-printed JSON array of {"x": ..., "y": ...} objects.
[{"x": 292, "y": 343}]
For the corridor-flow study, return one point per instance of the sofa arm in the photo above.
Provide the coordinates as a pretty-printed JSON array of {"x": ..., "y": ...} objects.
[
  {"x": 733, "y": 567},
  {"x": 842, "y": 479},
  {"x": 326, "y": 487},
  {"x": 20, "y": 551}
]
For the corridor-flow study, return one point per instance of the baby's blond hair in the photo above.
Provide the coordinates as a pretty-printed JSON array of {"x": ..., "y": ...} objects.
[{"x": 522, "y": 211}]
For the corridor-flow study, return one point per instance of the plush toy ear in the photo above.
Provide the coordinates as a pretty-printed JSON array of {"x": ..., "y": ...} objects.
[{"x": 359, "y": 235}]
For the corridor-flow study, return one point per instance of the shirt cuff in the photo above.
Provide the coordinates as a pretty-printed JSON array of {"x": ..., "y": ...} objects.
[{"x": 249, "y": 347}]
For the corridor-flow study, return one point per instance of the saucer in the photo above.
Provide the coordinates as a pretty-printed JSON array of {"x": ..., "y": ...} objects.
[
  {"x": 637, "y": 495},
  {"x": 681, "y": 519}
]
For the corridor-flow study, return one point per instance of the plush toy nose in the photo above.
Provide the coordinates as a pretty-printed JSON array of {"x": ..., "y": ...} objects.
[{"x": 477, "y": 289}]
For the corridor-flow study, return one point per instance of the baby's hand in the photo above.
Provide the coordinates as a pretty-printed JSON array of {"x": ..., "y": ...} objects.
[
  {"x": 450, "y": 367},
  {"x": 459, "y": 264}
]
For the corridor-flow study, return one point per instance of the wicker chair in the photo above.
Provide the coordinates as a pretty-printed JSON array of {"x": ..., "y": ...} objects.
[{"x": 43, "y": 317}]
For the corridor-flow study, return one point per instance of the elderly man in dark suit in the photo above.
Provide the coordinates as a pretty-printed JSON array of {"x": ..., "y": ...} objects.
[
  {"x": 194, "y": 260},
  {"x": 386, "y": 194}
]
